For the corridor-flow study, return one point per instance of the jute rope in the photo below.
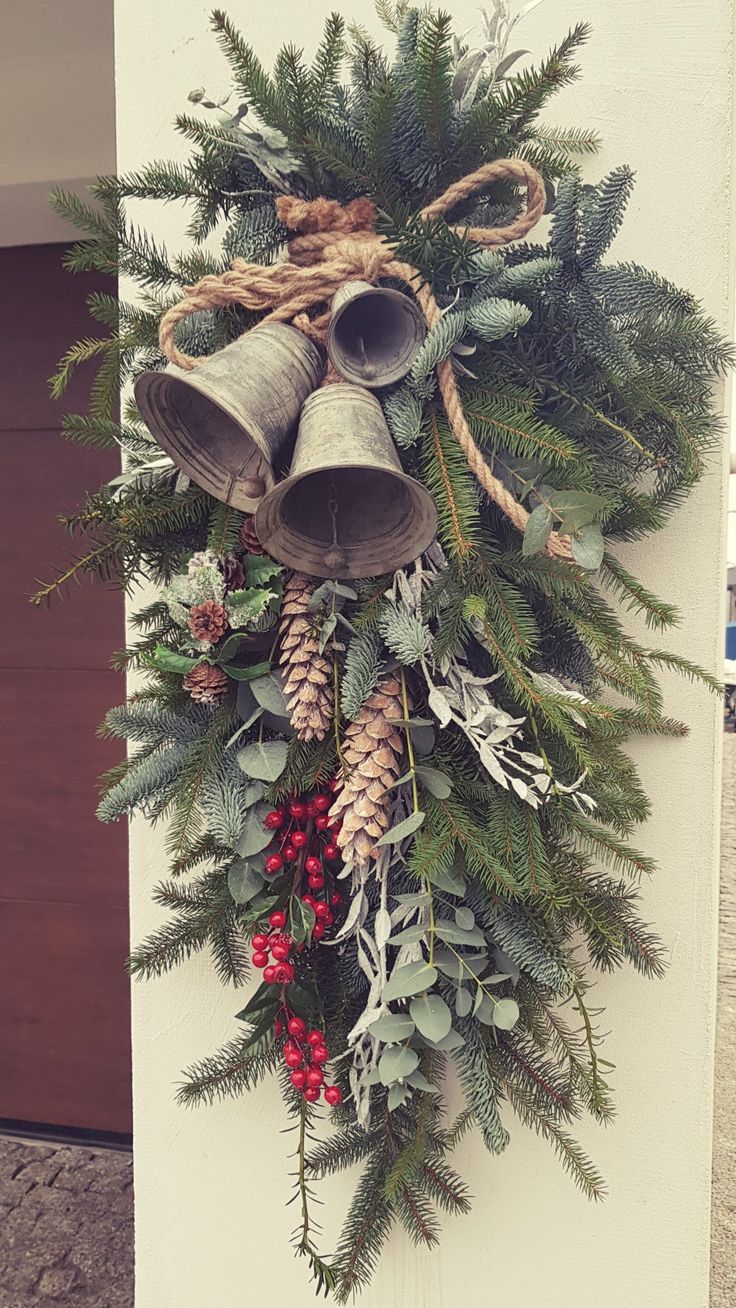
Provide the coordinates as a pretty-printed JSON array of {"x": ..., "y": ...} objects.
[{"x": 338, "y": 243}]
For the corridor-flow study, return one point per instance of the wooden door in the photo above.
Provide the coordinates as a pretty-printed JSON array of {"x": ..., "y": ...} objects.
[{"x": 64, "y": 1029}]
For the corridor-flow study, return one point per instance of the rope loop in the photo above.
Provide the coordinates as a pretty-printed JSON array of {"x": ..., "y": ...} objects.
[{"x": 333, "y": 243}]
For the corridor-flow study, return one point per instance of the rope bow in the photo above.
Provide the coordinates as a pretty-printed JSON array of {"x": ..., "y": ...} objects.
[{"x": 336, "y": 243}]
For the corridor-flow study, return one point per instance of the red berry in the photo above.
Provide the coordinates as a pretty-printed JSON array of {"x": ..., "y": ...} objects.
[
  {"x": 322, "y": 822},
  {"x": 311, "y": 1095},
  {"x": 273, "y": 820},
  {"x": 281, "y": 952},
  {"x": 316, "y": 883},
  {"x": 315, "y": 1038},
  {"x": 269, "y": 974},
  {"x": 284, "y": 974},
  {"x": 315, "y": 1077},
  {"x": 274, "y": 863},
  {"x": 334, "y": 784},
  {"x": 298, "y": 1079},
  {"x": 322, "y": 803},
  {"x": 320, "y": 1054},
  {"x": 309, "y": 899},
  {"x": 298, "y": 810},
  {"x": 299, "y": 839},
  {"x": 318, "y": 930},
  {"x": 331, "y": 852},
  {"x": 329, "y": 917},
  {"x": 296, "y": 1026},
  {"x": 333, "y": 1095},
  {"x": 278, "y": 1026},
  {"x": 278, "y": 918},
  {"x": 260, "y": 941},
  {"x": 321, "y": 909},
  {"x": 260, "y": 958},
  {"x": 293, "y": 1058},
  {"x": 291, "y": 1047},
  {"x": 336, "y": 897},
  {"x": 313, "y": 864},
  {"x": 290, "y": 854}
]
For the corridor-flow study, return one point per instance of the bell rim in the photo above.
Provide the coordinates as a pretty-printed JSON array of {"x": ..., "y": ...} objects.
[
  {"x": 147, "y": 381},
  {"x": 273, "y": 498},
  {"x": 390, "y": 377}
]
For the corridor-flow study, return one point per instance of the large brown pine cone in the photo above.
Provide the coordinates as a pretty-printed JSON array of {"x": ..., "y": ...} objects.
[
  {"x": 372, "y": 753},
  {"x": 307, "y": 673},
  {"x": 208, "y": 621},
  {"x": 206, "y": 683}
]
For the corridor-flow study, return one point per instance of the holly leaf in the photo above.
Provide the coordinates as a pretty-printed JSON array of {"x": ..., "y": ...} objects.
[
  {"x": 431, "y": 1016},
  {"x": 259, "y": 569},
  {"x": 264, "y": 760},
  {"x": 411, "y": 979}
]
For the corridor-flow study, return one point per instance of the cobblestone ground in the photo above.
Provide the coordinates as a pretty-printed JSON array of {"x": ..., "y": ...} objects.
[
  {"x": 723, "y": 1235},
  {"x": 66, "y": 1227}
]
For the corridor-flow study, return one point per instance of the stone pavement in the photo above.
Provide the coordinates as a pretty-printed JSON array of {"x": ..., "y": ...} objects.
[
  {"x": 723, "y": 1230},
  {"x": 66, "y": 1227}
]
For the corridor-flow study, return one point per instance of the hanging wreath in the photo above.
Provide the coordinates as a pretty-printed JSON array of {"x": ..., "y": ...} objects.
[{"x": 390, "y": 689}]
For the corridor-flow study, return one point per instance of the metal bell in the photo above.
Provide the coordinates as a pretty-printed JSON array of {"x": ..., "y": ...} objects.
[
  {"x": 374, "y": 334},
  {"x": 228, "y": 422},
  {"x": 347, "y": 508}
]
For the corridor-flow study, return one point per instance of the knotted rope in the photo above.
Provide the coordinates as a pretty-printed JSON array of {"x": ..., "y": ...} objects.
[{"x": 338, "y": 243}]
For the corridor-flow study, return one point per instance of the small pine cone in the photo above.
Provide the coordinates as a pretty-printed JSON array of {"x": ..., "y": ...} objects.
[
  {"x": 207, "y": 683},
  {"x": 208, "y": 621},
  {"x": 249, "y": 537},
  {"x": 307, "y": 673},
  {"x": 233, "y": 572},
  {"x": 372, "y": 753}
]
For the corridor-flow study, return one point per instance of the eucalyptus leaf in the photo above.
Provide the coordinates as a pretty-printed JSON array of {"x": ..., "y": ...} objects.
[
  {"x": 505, "y": 1014},
  {"x": 326, "y": 630},
  {"x": 448, "y": 879},
  {"x": 392, "y": 1028},
  {"x": 465, "y": 917},
  {"x": 463, "y": 1002},
  {"x": 268, "y": 693},
  {"x": 588, "y": 547},
  {"x": 396, "y": 1063},
  {"x": 434, "y": 781},
  {"x": 402, "y": 829},
  {"x": 537, "y": 530},
  {"x": 169, "y": 661},
  {"x": 453, "y": 1040},
  {"x": 244, "y": 881},
  {"x": 396, "y": 1097},
  {"x": 254, "y": 836},
  {"x": 245, "y": 674},
  {"x": 409, "y": 936},
  {"x": 410, "y": 979},
  {"x": 431, "y": 1016},
  {"x": 418, "y": 1081},
  {"x": 483, "y": 1009},
  {"x": 265, "y": 759},
  {"x": 452, "y": 934}
]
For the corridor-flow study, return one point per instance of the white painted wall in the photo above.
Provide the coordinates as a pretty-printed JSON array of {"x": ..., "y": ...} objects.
[{"x": 211, "y": 1183}]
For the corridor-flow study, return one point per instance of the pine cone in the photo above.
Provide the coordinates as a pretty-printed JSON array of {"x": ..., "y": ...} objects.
[
  {"x": 207, "y": 683},
  {"x": 372, "y": 753},
  {"x": 308, "y": 674},
  {"x": 208, "y": 621},
  {"x": 249, "y": 536},
  {"x": 233, "y": 572}
]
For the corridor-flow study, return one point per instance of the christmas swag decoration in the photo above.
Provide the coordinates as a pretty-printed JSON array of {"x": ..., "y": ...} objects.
[{"x": 389, "y": 687}]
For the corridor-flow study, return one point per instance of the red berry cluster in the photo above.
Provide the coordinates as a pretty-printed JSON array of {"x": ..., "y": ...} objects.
[
  {"x": 306, "y": 836},
  {"x": 306, "y": 1053},
  {"x": 279, "y": 945}
]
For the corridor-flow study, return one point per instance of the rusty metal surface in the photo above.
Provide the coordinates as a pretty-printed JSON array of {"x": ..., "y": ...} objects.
[
  {"x": 230, "y": 422},
  {"x": 374, "y": 334},
  {"x": 347, "y": 508}
]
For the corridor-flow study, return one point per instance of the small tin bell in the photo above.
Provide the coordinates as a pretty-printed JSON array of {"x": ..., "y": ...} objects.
[
  {"x": 347, "y": 508},
  {"x": 374, "y": 334},
  {"x": 228, "y": 422}
]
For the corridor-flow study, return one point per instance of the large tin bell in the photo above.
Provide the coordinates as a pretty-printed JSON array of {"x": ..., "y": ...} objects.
[
  {"x": 231, "y": 420},
  {"x": 374, "y": 334},
  {"x": 347, "y": 508}
]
